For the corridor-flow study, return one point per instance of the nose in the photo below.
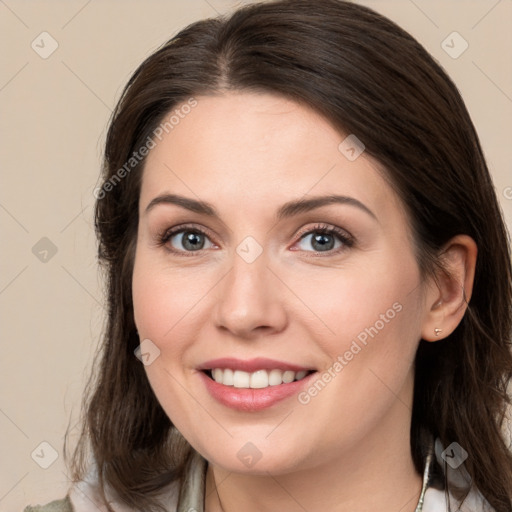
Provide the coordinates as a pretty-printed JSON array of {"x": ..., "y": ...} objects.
[{"x": 250, "y": 301}]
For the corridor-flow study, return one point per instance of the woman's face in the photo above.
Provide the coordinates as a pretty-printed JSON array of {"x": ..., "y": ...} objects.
[{"x": 264, "y": 280}]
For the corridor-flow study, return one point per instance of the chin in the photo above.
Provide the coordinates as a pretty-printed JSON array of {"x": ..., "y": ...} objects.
[{"x": 255, "y": 458}]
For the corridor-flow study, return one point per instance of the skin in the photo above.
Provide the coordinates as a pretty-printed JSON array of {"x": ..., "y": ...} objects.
[{"x": 346, "y": 449}]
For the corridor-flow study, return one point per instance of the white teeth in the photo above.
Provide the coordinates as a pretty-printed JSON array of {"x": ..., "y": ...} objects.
[
  {"x": 256, "y": 380},
  {"x": 241, "y": 379},
  {"x": 275, "y": 377},
  {"x": 288, "y": 376},
  {"x": 227, "y": 376},
  {"x": 259, "y": 379},
  {"x": 217, "y": 375}
]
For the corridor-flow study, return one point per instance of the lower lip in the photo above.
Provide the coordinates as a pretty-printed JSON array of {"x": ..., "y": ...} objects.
[{"x": 250, "y": 400}]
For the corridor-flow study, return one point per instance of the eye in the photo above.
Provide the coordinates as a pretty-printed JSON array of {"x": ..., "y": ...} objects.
[
  {"x": 185, "y": 239},
  {"x": 323, "y": 238}
]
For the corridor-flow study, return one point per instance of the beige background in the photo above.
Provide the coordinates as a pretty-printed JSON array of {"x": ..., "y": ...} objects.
[{"x": 54, "y": 113}]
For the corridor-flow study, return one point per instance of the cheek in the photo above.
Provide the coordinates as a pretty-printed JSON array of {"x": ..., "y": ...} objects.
[
  {"x": 372, "y": 298},
  {"x": 376, "y": 324},
  {"x": 368, "y": 325},
  {"x": 381, "y": 342},
  {"x": 169, "y": 310},
  {"x": 164, "y": 299},
  {"x": 161, "y": 311},
  {"x": 157, "y": 312},
  {"x": 149, "y": 298}
]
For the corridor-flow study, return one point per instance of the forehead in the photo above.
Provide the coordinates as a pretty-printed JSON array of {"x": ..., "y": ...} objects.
[{"x": 245, "y": 148}]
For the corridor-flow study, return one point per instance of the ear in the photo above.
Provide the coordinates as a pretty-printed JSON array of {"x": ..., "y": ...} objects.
[{"x": 449, "y": 292}]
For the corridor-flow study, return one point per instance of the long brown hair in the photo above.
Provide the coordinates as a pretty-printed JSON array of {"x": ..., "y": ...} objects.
[{"x": 368, "y": 77}]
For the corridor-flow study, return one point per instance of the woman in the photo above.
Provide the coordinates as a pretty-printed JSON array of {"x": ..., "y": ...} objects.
[{"x": 308, "y": 278}]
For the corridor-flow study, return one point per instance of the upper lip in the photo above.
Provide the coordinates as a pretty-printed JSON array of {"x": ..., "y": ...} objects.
[{"x": 251, "y": 365}]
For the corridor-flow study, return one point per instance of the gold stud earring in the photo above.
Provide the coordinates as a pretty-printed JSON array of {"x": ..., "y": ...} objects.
[{"x": 437, "y": 331}]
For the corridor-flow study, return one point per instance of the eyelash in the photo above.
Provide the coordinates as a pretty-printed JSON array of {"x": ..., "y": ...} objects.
[{"x": 346, "y": 239}]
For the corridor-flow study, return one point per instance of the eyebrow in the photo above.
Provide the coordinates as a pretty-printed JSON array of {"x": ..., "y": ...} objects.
[{"x": 287, "y": 210}]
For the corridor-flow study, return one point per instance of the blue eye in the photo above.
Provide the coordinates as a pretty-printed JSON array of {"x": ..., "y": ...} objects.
[
  {"x": 325, "y": 239},
  {"x": 322, "y": 238},
  {"x": 186, "y": 240},
  {"x": 320, "y": 242}
]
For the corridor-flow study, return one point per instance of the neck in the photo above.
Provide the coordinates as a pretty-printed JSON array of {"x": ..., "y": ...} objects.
[{"x": 375, "y": 473}]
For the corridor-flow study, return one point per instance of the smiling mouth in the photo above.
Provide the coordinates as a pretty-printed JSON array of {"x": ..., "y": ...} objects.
[{"x": 255, "y": 380}]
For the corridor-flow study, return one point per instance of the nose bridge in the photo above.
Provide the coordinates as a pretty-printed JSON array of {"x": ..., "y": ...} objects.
[{"x": 250, "y": 296}]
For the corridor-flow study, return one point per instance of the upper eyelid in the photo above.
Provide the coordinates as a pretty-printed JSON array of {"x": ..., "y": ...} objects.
[
  {"x": 175, "y": 230},
  {"x": 336, "y": 230}
]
